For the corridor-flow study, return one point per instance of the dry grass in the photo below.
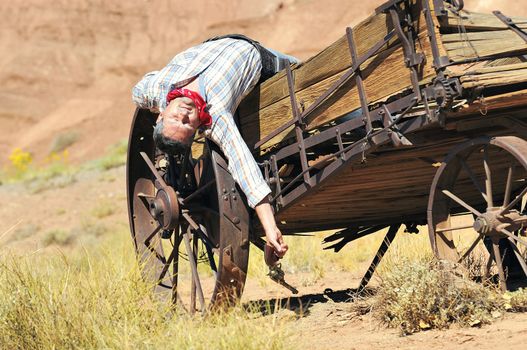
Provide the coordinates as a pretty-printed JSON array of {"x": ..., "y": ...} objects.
[
  {"x": 95, "y": 298},
  {"x": 420, "y": 294},
  {"x": 416, "y": 292}
]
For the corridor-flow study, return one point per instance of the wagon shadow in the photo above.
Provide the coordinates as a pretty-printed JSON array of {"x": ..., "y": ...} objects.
[{"x": 301, "y": 305}]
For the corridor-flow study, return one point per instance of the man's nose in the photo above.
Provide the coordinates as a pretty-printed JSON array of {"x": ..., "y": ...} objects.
[{"x": 184, "y": 117}]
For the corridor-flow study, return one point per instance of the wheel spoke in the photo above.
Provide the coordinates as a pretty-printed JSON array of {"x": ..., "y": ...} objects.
[
  {"x": 470, "y": 249},
  {"x": 470, "y": 173},
  {"x": 210, "y": 255},
  {"x": 153, "y": 169},
  {"x": 514, "y": 202},
  {"x": 199, "y": 191},
  {"x": 194, "y": 269},
  {"x": 488, "y": 177},
  {"x": 508, "y": 187},
  {"x": 193, "y": 281},
  {"x": 499, "y": 264},
  {"x": 488, "y": 266},
  {"x": 201, "y": 231},
  {"x": 513, "y": 236},
  {"x": 461, "y": 202},
  {"x": 518, "y": 255},
  {"x": 150, "y": 236},
  {"x": 175, "y": 270},
  {"x": 167, "y": 264},
  {"x": 454, "y": 228}
]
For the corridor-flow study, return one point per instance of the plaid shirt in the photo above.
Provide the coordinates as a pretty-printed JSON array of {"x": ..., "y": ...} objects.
[{"x": 228, "y": 69}]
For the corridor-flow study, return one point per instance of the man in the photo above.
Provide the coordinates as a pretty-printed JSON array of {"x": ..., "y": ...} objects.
[{"x": 202, "y": 88}]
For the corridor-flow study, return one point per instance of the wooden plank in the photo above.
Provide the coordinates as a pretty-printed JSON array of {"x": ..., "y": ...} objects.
[
  {"x": 327, "y": 63},
  {"x": 489, "y": 80},
  {"x": 385, "y": 74},
  {"x": 487, "y": 104},
  {"x": 487, "y": 68},
  {"x": 481, "y": 45},
  {"x": 479, "y": 21}
]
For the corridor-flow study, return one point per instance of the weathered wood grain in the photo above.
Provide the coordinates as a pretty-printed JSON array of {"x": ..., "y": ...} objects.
[
  {"x": 329, "y": 62},
  {"x": 479, "y": 21},
  {"x": 500, "y": 78},
  {"x": 463, "y": 46},
  {"x": 385, "y": 74},
  {"x": 502, "y": 101}
]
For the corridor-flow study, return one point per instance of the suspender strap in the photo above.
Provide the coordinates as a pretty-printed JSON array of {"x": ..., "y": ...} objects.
[{"x": 270, "y": 63}]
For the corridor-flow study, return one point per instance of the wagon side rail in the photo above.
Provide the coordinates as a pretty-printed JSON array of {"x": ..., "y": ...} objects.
[{"x": 383, "y": 123}]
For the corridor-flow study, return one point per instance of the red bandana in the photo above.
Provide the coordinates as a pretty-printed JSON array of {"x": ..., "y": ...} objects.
[{"x": 204, "y": 117}]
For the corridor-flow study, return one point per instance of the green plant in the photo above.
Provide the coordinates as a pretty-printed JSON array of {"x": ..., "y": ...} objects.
[
  {"x": 103, "y": 209},
  {"x": 516, "y": 301},
  {"x": 59, "y": 237},
  {"x": 63, "y": 141},
  {"x": 115, "y": 156},
  {"x": 24, "y": 231}
]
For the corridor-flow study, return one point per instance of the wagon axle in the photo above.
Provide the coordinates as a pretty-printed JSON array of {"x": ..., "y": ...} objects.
[{"x": 493, "y": 222}]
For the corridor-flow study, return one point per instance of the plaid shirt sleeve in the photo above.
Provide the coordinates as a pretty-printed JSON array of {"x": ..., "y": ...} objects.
[
  {"x": 242, "y": 166},
  {"x": 225, "y": 82},
  {"x": 228, "y": 69}
]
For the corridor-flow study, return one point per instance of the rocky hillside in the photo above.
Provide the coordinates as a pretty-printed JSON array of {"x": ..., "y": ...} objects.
[{"x": 67, "y": 66}]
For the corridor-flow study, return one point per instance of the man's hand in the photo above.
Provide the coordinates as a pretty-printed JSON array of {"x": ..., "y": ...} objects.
[
  {"x": 272, "y": 233},
  {"x": 274, "y": 239}
]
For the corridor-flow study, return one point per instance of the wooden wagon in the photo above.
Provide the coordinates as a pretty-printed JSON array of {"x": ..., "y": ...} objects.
[{"x": 415, "y": 116}]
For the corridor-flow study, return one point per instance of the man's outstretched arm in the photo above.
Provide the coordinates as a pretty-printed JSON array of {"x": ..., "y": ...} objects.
[
  {"x": 272, "y": 232},
  {"x": 248, "y": 176}
]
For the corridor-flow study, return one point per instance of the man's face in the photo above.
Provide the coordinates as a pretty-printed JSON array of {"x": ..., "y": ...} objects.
[{"x": 180, "y": 120}]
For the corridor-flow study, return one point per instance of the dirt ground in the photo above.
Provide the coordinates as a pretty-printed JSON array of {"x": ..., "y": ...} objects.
[
  {"x": 67, "y": 68},
  {"x": 320, "y": 317}
]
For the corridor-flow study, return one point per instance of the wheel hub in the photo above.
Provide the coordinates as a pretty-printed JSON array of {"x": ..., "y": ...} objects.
[
  {"x": 165, "y": 208},
  {"x": 492, "y": 222}
]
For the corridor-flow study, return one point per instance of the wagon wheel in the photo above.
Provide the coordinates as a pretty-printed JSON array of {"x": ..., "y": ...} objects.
[
  {"x": 485, "y": 178},
  {"x": 195, "y": 213}
]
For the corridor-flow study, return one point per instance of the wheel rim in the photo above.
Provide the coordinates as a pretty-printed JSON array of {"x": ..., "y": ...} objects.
[
  {"x": 486, "y": 179},
  {"x": 203, "y": 231}
]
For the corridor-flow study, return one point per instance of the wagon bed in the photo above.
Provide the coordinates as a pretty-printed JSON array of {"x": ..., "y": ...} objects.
[
  {"x": 388, "y": 183},
  {"x": 417, "y": 115}
]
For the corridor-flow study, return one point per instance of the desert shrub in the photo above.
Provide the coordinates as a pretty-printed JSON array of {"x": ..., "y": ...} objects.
[
  {"x": 20, "y": 159},
  {"x": 91, "y": 228},
  {"x": 20, "y": 162},
  {"x": 420, "y": 294},
  {"x": 58, "y": 236},
  {"x": 63, "y": 141},
  {"x": 115, "y": 157},
  {"x": 103, "y": 209},
  {"x": 24, "y": 231},
  {"x": 55, "y": 171},
  {"x": 516, "y": 301}
]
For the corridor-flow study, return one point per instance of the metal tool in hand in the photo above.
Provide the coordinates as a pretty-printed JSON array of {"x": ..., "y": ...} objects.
[{"x": 275, "y": 269}]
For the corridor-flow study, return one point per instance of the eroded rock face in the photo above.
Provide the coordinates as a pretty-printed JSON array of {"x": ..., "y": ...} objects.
[{"x": 70, "y": 64}]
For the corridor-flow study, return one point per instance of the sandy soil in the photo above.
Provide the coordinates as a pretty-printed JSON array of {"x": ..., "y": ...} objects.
[
  {"x": 320, "y": 318},
  {"x": 68, "y": 67}
]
